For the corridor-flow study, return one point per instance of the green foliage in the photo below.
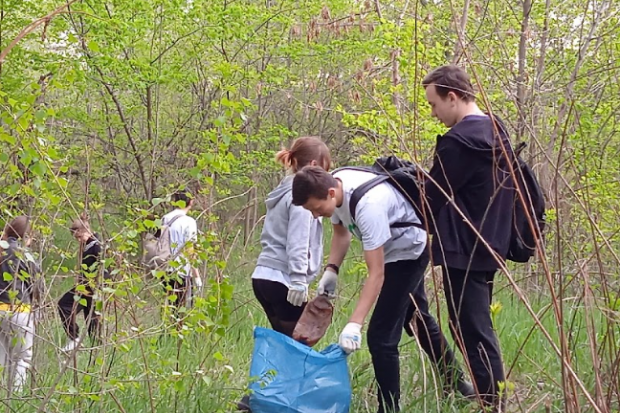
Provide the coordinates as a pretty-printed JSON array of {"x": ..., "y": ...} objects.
[{"x": 110, "y": 107}]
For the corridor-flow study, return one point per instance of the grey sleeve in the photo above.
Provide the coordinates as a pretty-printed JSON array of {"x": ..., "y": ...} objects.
[{"x": 298, "y": 242}]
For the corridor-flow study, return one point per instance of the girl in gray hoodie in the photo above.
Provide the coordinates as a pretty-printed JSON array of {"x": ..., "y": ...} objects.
[{"x": 292, "y": 242}]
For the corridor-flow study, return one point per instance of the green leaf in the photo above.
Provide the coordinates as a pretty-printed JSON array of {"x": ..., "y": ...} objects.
[
  {"x": 93, "y": 46},
  {"x": 148, "y": 223},
  {"x": 40, "y": 115},
  {"x": 24, "y": 122},
  {"x": 28, "y": 190},
  {"x": 38, "y": 168},
  {"x": 5, "y": 137},
  {"x": 71, "y": 76},
  {"x": 220, "y": 121},
  {"x": 25, "y": 158}
]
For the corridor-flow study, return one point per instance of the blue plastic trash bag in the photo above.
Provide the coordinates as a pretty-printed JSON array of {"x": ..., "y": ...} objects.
[{"x": 290, "y": 377}]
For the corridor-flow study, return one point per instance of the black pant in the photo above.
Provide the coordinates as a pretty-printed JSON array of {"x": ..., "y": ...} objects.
[
  {"x": 69, "y": 307},
  {"x": 469, "y": 296},
  {"x": 272, "y": 296},
  {"x": 404, "y": 282},
  {"x": 178, "y": 292}
]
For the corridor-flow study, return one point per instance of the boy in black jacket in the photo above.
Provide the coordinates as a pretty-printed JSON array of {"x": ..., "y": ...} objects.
[{"x": 470, "y": 195}]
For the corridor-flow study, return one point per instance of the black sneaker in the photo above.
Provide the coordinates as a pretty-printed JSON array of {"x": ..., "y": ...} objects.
[
  {"x": 462, "y": 386},
  {"x": 244, "y": 404},
  {"x": 466, "y": 389}
]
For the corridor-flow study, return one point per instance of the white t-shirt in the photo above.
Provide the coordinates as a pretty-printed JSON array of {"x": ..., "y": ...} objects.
[
  {"x": 379, "y": 208},
  {"x": 182, "y": 231}
]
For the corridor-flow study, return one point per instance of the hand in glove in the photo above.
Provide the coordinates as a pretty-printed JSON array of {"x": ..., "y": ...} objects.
[
  {"x": 297, "y": 293},
  {"x": 351, "y": 337},
  {"x": 327, "y": 284}
]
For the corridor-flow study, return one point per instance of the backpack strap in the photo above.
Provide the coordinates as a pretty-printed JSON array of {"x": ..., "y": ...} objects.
[
  {"x": 520, "y": 148},
  {"x": 91, "y": 244},
  {"x": 361, "y": 190},
  {"x": 407, "y": 225}
]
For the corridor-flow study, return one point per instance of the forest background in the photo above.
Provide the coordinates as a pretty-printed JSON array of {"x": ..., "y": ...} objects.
[{"x": 108, "y": 106}]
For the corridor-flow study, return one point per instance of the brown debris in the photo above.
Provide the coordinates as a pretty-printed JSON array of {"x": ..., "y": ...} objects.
[{"x": 314, "y": 321}]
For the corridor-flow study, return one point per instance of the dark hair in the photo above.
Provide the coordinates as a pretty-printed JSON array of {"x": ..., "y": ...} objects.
[
  {"x": 312, "y": 182},
  {"x": 16, "y": 228},
  {"x": 303, "y": 151},
  {"x": 184, "y": 196},
  {"x": 448, "y": 79}
]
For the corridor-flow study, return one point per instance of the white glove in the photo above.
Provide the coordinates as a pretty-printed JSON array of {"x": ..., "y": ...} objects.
[
  {"x": 351, "y": 337},
  {"x": 327, "y": 284},
  {"x": 198, "y": 282},
  {"x": 297, "y": 293}
]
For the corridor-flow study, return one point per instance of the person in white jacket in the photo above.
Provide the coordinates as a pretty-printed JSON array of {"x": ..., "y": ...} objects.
[{"x": 182, "y": 277}]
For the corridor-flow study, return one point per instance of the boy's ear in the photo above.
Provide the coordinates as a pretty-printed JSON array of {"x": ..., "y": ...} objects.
[
  {"x": 331, "y": 193},
  {"x": 452, "y": 97}
]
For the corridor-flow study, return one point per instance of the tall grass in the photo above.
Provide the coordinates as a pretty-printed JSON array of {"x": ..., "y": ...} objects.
[{"x": 145, "y": 363}]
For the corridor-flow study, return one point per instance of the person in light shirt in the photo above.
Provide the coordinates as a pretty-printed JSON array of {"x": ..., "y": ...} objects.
[
  {"x": 183, "y": 230},
  {"x": 396, "y": 257}
]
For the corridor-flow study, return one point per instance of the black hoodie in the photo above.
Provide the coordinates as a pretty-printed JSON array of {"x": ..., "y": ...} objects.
[
  {"x": 91, "y": 257},
  {"x": 471, "y": 166}
]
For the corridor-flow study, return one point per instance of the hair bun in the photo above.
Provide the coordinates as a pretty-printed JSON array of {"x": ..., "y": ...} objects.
[{"x": 284, "y": 156}]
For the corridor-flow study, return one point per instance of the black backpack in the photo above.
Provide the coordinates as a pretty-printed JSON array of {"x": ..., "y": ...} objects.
[
  {"x": 522, "y": 238},
  {"x": 401, "y": 174}
]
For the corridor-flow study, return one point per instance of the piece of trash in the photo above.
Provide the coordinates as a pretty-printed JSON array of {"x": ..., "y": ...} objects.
[{"x": 314, "y": 321}]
